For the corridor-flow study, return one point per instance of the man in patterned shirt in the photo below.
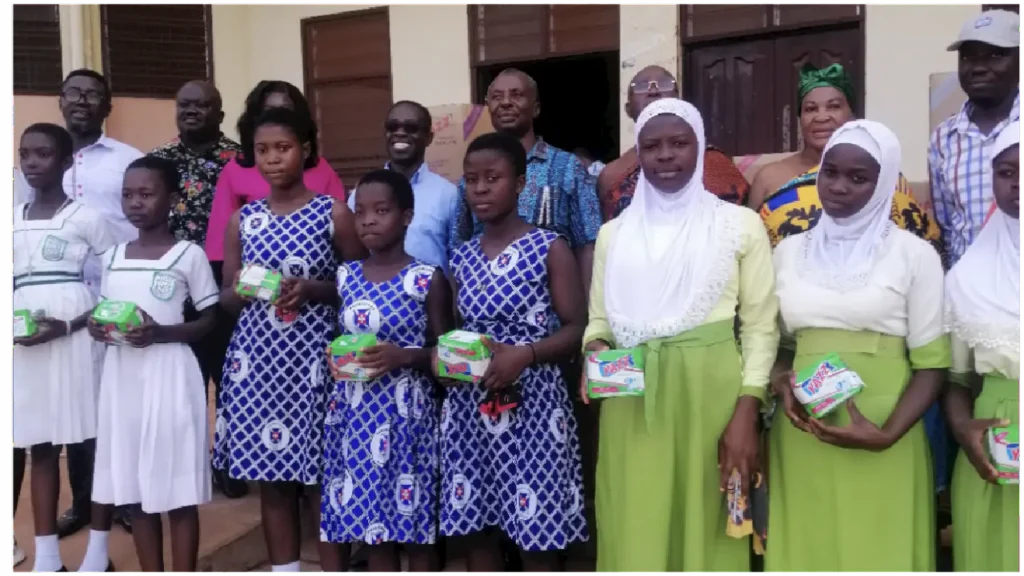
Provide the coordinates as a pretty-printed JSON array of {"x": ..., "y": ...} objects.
[
  {"x": 560, "y": 195},
  {"x": 960, "y": 152},
  {"x": 200, "y": 152}
]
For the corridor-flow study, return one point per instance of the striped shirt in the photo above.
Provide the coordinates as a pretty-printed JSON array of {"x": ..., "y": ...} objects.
[{"x": 960, "y": 167}]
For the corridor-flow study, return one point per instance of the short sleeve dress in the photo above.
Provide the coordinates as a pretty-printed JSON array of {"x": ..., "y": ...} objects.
[
  {"x": 56, "y": 385},
  {"x": 153, "y": 444}
]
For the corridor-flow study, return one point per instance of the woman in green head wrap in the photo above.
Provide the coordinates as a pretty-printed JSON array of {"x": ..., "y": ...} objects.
[
  {"x": 825, "y": 101},
  {"x": 785, "y": 192}
]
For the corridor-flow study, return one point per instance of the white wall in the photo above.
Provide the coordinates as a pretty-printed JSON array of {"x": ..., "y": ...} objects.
[
  {"x": 430, "y": 57},
  {"x": 648, "y": 35},
  {"x": 429, "y": 51},
  {"x": 904, "y": 46}
]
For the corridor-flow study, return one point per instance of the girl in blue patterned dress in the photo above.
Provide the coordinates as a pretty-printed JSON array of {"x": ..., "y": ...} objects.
[
  {"x": 519, "y": 286},
  {"x": 381, "y": 464},
  {"x": 270, "y": 417}
]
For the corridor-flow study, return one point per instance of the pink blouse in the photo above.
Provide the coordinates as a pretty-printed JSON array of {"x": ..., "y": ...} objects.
[{"x": 237, "y": 186}]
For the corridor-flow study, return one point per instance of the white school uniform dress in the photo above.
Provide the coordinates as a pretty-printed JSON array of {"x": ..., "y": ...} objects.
[
  {"x": 152, "y": 446},
  {"x": 56, "y": 385}
]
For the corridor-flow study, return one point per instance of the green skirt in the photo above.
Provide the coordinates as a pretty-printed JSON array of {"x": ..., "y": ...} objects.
[
  {"x": 837, "y": 509},
  {"x": 986, "y": 517},
  {"x": 658, "y": 504}
]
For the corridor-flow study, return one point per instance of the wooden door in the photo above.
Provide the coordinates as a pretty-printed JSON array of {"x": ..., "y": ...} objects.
[
  {"x": 731, "y": 85},
  {"x": 819, "y": 49},
  {"x": 347, "y": 61},
  {"x": 746, "y": 88}
]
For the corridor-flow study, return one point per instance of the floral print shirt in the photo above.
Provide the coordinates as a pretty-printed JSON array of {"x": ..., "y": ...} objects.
[{"x": 199, "y": 174}]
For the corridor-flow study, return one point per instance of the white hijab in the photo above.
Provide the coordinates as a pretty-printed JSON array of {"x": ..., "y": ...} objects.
[
  {"x": 671, "y": 257},
  {"x": 840, "y": 252},
  {"x": 983, "y": 288}
]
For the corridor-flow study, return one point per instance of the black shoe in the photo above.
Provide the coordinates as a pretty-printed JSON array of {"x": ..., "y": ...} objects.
[
  {"x": 110, "y": 566},
  {"x": 70, "y": 522},
  {"x": 63, "y": 569},
  {"x": 228, "y": 486},
  {"x": 123, "y": 518}
]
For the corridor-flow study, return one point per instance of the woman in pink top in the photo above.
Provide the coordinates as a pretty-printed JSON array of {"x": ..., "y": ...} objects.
[{"x": 240, "y": 182}]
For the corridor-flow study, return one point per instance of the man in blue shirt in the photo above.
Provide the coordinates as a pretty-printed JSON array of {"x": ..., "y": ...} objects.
[
  {"x": 560, "y": 195},
  {"x": 407, "y": 131}
]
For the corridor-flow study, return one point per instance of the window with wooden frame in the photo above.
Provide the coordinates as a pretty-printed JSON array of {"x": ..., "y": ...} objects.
[
  {"x": 347, "y": 65},
  {"x": 742, "y": 67},
  {"x": 152, "y": 50},
  {"x": 37, "y": 49},
  {"x": 519, "y": 32},
  {"x": 1007, "y": 7}
]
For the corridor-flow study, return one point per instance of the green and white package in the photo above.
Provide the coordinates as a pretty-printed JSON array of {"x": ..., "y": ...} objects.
[
  {"x": 824, "y": 386},
  {"x": 462, "y": 356},
  {"x": 612, "y": 373},
  {"x": 1004, "y": 450},
  {"x": 117, "y": 318},
  {"x": 343, "y": 353}
]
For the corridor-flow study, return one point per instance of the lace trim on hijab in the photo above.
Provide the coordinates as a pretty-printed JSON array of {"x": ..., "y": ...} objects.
[
  {"x": 981, "y": 333},
  {"x": 836, "y": 281},
  {"x": 630, "y": 333}
]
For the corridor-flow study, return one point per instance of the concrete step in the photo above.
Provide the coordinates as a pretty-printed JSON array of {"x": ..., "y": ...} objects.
[{"x": 230, "y": 537}]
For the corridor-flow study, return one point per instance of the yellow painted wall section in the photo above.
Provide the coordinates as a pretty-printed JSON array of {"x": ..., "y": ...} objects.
[
  {"x": 904, "y": 46},
  {"x": 231, "y": 57},
  {"x": 430, "y": 54},
  {"x": 648, "y": 35},
  {"x": 145, "y": 123}
]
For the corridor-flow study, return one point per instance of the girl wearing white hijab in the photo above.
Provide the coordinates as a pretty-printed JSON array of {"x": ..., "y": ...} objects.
[
  {"x": 669, "y": 274},
  {"x": 983, "y": 314},
  {"x": 853, "y": 491}
]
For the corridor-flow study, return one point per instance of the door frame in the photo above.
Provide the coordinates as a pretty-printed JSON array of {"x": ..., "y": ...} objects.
[{"x": 772, "y": 32}]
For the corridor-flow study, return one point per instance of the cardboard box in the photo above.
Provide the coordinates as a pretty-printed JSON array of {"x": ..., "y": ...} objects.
[
  {"x": 945, "y": 98},
  {"x": 455, "y": 126}
]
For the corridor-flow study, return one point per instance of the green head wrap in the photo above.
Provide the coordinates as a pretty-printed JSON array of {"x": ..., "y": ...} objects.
[{"x": 834, "y": 76}]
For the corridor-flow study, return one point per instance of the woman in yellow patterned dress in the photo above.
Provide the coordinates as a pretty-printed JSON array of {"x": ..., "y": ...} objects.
[{"x": 826, "y": 103}]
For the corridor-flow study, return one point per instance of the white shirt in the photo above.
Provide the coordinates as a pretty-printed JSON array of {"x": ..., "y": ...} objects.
[
  {"x": 95, "y": 179},
  {"x": 903, "y": 295}
]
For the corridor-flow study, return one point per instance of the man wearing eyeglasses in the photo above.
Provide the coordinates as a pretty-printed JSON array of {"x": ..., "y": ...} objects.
[
  {"x": 617, "y": 181},
  {"x": 407, "y": 132},
  {"x": 94, "y": 179}
]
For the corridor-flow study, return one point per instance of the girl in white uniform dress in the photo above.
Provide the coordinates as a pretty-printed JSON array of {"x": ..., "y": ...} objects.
[
  {"x": 152, "y": 446},
  {"x": 56, "y": 370}
]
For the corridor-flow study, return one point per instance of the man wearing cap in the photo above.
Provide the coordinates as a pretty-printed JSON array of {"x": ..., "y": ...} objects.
[{"x": 959, "y": 155}]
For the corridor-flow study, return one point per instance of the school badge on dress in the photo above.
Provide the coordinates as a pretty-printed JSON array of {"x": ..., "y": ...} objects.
[
  {"x": 380, "y": 445},
  {"x": 526, "y": 502},
  {"x": 407, "y": 494},
  {"x": 275, "y": 436},
  {"x": 462, "y": 491},
  {"x": 340, "y": 492},
  {"x": 417, "y": 282},
  {"x": 53, "y": 248},
  {"x": 362, "y": 317},
  {"x": 163, "y": 286},
  {"x": 505, "y": 261},
  {"x": 255, "y": 223}
]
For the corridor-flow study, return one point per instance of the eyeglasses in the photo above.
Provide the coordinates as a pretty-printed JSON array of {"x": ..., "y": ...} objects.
[
  {"x": 408, "y": 127},
  {"x": 76, "y": 95},
  {"x": 663, "y": 87}
]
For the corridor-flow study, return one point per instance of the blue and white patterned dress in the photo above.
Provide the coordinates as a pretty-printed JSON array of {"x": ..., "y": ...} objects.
[
  {"x": 381, "y": 469},
  {"x": 522, "y": 471},
  {"x": 270, "y": 417}
]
